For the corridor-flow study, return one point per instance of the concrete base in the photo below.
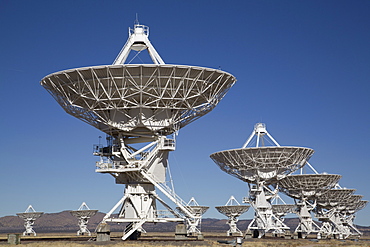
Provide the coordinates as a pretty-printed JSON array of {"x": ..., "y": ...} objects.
[
  {"x": 103, "y": 232},
  {"x": 180, "y": 232},
  {"x": 200, "y": 237},
  {"x": 14, "y": 238},
  {"x": 248, "y": 234},
  {"x": 288, "y": 235}
]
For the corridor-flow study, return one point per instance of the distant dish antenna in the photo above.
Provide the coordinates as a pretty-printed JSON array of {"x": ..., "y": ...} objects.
[
  {"x": 233, "y": 210},
  {"x": 84, "y": 213},
  {"x": 198, "y": 211},
  {"x": 29, "y": 217}
]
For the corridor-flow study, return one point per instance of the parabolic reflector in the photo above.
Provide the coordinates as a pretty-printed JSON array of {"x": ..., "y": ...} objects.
[
  {"x": 197, "y": 210},
  {"x": 283, "y": 208},
  {"x": 307, "y": 185},
  {"x": 30, "y": 215},
  {"x": 333, "y": 197},
  {"x": 83, "y": 213},
  {"x": 140, "y": 99},
  {"x": 262, "y": 163},
  {"x": 233, "y": 210},
  {"x": 358, "y": 205}
]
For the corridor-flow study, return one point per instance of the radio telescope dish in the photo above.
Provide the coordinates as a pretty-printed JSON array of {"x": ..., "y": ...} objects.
[
  {"x": 140, "y": 105},
  {"x": 29, "y": 216},
  {"x": 84, "y": 213},
  {"x": 359, "y": 205},
  {"x": 333, "y": 197},
  {"x": 233, "y": 212},
  {"x": 145, "y": 99},
  {"x": 197, "y": 210},
  {"x": 350, "y": 204},
  {"x": 307, "y": 185},
  {"x": 261, "y": 165}
]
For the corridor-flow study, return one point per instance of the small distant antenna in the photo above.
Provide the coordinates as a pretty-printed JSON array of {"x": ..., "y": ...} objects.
[
  {"x": 29, "y": 216},
  {"x": 83, "y": 214},
  {"x": 137, "y": 19}
]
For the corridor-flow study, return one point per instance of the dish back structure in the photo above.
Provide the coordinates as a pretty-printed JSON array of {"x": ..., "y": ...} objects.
[
  {"x": 145, "y": 105},
  {"x": 261, "y": 166},
  {"x": 29, "y": 217}
]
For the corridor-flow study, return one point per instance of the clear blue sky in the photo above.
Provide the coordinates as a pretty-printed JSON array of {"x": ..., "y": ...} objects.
[{"x": 303, "y": 68}]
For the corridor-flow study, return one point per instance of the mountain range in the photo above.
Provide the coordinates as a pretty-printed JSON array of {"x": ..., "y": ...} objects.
[{"x": 65, "y": 222}]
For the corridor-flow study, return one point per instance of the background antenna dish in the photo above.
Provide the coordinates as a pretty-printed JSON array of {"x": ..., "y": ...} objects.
[
  {"x": 84, "y": 213},
  {"x": 233, "y": 210},
  {"x": 29, "y": 217},
  {"x": 307, "y": 185}
]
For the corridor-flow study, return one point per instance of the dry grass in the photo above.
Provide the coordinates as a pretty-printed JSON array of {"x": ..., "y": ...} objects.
[{"x": 210, "y": 241}]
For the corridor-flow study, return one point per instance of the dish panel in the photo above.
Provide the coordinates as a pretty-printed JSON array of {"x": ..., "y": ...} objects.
[
  {"x": 83, "y": 213},
  {"x": 233, "y": 210},
  {"x": 31, "y": 215}
]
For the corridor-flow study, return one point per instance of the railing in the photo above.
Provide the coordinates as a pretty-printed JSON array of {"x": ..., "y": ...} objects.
[
  {"x": 170, "y": 194},
  {"x": 100, "y": 150},
  {"x": 168, "y": 144},
  {"x": 106, "y": 165},
  {"x": 132, "y": 227},
  {"x": 163, "y": 213}
]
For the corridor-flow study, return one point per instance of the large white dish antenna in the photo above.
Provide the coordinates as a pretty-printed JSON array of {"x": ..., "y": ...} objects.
[{"x": 138, "y": 99}]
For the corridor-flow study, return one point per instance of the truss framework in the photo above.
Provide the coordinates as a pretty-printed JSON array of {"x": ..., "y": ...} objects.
[
  {"x": 142, "y": 171},
  {"x": 138, "y": 41}
]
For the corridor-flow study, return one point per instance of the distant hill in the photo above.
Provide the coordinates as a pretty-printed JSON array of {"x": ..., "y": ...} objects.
[{"x": 65, "y": 222}]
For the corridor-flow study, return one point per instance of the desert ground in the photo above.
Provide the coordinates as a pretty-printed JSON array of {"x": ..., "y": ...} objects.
[{"x": 167, "y": 240}]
